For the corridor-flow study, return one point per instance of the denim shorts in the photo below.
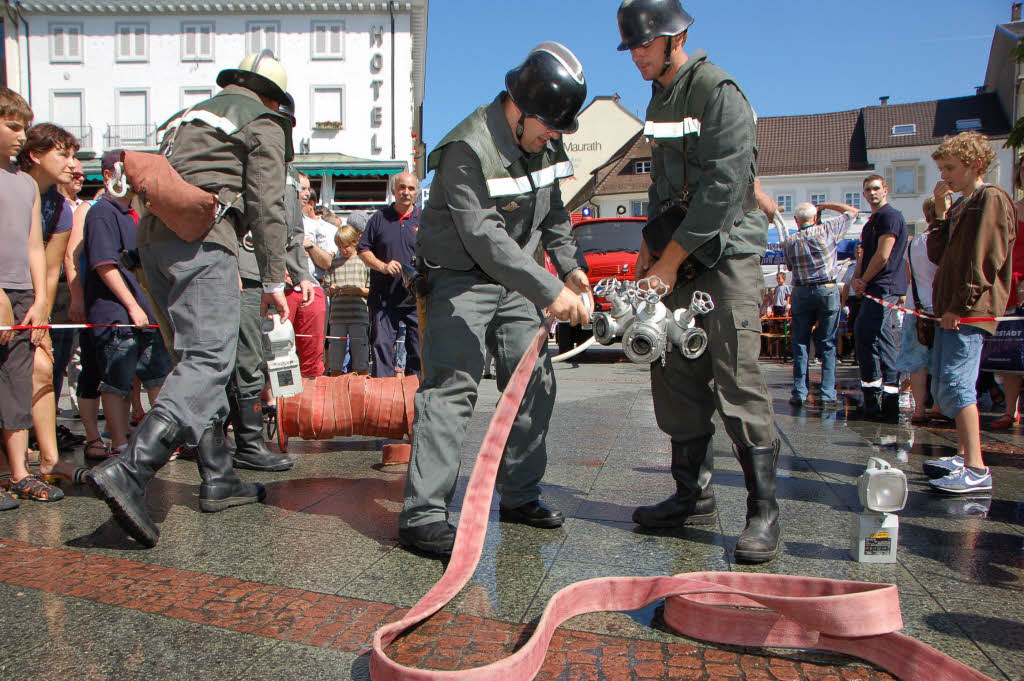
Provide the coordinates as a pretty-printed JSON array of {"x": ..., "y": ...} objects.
[
  {"x": 956, "y": 357},
  {"x": 127, "y": 353},
  {"x": 912, "y": 356}
]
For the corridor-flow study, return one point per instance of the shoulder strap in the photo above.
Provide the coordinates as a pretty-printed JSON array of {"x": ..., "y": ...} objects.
[{"x": 913, "y": 282}]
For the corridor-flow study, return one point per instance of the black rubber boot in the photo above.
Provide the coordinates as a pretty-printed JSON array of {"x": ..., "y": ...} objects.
[
  {"x": 693, "y": 464},
  {"x": 871, "y": 408},
  {"x": 759, "y": 541},
  {"x": 890, "y": 412},
  {"x": 121, "y": 480},
  {"x": 250, "y": 449},
  {"x": 221, "y": 488}
]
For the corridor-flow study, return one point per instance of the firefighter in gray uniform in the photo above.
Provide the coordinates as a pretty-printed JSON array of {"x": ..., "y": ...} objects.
[
  {"x": 705, "y": 233},
  {"x": 235, "y": 146},
  {"x": 249, "y": 378},
  {"x": 494, "y": 198}
]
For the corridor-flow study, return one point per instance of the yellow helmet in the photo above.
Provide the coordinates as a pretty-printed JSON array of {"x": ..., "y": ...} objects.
[{"x": 262, "y": 73}]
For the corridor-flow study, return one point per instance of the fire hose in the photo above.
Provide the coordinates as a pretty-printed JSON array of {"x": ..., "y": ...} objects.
[{"x": 730, "y": 608}]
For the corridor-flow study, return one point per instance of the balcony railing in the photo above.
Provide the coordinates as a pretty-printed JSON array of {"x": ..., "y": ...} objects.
[
  {"x": 140, "y": 136},
  {"x": 84, "y": 135}
]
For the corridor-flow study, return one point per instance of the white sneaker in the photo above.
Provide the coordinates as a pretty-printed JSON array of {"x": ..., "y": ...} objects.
[
  {"x": 963, "y": 481},
  {"x": 940, "y": 468}
]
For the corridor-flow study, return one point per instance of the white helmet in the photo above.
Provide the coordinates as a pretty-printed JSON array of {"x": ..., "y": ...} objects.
[{"x": 262, "y": 73}]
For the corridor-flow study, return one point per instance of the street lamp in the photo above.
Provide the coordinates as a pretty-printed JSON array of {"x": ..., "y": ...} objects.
[{"x": 882, "y": 490}]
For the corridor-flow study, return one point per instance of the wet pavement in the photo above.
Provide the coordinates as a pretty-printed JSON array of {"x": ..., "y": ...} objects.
[{"x": 294, "y": 588}]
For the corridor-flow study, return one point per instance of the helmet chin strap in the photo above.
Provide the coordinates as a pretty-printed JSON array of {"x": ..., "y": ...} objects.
[
  {"x": 668, "y": 55},
  {"x": 520, "y": 128}
]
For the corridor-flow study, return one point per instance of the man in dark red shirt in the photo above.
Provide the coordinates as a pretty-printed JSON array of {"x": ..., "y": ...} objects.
[{"x": 388, "y": 242}]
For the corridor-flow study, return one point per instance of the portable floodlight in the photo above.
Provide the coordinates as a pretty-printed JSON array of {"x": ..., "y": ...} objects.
[{"x": 882, "y": 490}]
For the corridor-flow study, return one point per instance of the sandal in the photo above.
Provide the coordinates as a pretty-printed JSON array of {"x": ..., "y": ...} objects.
[
  {"x": 76, "y": 477},
  {"x": 31, "y": 487},
  {"x": 7, "y": 502},
  {"x": 1004, "y": 422},
  {"x": 97, "y": 450}
]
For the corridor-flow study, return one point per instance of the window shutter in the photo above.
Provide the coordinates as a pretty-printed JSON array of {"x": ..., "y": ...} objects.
[
  {"x": 921, "y": 177},
  {"x": 889, "y": 178},
  {"x": 58, "y": 42},
  {"x": 335, "y": 39},
  {"x": 74, "y": 42},
  {"x": 125, "y": 42}
]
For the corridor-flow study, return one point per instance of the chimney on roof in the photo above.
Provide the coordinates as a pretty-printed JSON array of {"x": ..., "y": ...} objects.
[
  {"x": 979, "y": 89},
  {"x": 883, "y": 101},
  {"x": 1015, "y": 12}
]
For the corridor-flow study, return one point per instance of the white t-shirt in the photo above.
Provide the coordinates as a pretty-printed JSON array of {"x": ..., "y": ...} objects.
[
  {"x": 321, "y": 234},
  {"x": 924, "y": 270}
]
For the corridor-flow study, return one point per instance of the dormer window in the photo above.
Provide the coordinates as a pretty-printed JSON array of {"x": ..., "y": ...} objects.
[
  {"x": 968, "y": 124},
  {"x": 904, "y": 129},
  {"x": 642, "y": 168}
]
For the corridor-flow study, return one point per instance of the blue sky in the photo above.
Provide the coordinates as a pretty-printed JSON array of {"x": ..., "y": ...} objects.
[{"x": 790, "y": 56}]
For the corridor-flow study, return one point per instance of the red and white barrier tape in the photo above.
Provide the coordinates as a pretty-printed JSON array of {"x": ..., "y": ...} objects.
[
  {"x": 67, "y": 327},
  {"x": 963, "y": 320},
  {"x": 731, "y": 608}
]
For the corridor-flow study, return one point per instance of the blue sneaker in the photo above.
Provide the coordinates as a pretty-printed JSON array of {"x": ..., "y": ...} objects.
[
  {"x": 940, "y": 468},
  {"x": 963, "y": 481}
]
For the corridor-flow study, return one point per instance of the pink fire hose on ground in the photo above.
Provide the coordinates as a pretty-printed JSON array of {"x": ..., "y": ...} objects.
[{"x": 731, "y": 608}]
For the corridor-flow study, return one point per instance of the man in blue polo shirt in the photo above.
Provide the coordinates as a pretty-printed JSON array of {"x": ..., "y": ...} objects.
[
  {"x": 113, "y": 296},
  {"x": 388, "y": 242},
  {"x": 882, "y": 273}
]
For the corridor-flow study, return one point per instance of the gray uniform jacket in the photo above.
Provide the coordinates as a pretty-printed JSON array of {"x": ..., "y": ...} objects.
[
  {"x": 295, "y": 256},
  {"x": 473, "y": 220},
  {"x": 211, "y": 151},
  {"x": 717, "y": 146}
]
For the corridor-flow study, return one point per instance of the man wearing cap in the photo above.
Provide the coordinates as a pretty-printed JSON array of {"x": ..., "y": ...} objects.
[
  {"x": 495, "y": 197},
  {"x": 235, "y": 146},
  {"x": 705, "y": 233}
]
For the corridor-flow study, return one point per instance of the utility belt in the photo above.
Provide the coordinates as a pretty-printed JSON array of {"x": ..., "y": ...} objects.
[
  {"x": 658, "y": 233},
  {"x": 818, "y": 283}
]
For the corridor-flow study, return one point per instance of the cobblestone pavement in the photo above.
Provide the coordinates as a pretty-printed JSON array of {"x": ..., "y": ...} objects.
[{"x": 294, "y": 588}]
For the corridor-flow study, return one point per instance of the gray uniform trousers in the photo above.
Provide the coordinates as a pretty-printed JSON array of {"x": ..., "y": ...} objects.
[
  {"x": 684, "y": 397},
  {"x": 465, "y": 312},
  {"x": 197, "y": 285},
  {"x": 249, "y": 376}
]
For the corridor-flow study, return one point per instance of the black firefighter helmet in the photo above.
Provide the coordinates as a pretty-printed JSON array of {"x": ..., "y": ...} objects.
[
  {"x": 641, "y": 21},
  {"x": 549, "y": 86}
]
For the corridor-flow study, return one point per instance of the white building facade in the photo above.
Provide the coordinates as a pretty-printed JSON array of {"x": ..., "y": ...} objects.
[{"x": 113, "y": 71}]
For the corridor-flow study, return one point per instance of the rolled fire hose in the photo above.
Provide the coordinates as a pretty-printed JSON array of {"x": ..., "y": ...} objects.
[
  {"x": 730, "y": 608},
  {"x": 351, "y": 404}
]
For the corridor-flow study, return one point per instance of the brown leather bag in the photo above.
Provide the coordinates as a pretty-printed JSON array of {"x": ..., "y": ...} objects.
[{"x": 187, "y": 210}]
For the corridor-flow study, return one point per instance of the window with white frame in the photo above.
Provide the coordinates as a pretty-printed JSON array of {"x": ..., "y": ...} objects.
[
  {"x": 852, "y": 199},
  {"x": 638, "y": 209},
  {"x": 905, "y": 178},
  {"x": 261, "y": 35},
  {"x": 132, "y": 42},
  {"x": 66, "y": 43},
  {"x": 190, "y": 96},
  {"x": 902, "y": 129},
  {"x": 328, "y": 109},
  {"x": 197, "y": 41},
  {"x": 642, "y": 167},
  {"x": 327, "y": 40},
  {"x": 818, "y": 198},
  {"x": 785, "y": 202}
]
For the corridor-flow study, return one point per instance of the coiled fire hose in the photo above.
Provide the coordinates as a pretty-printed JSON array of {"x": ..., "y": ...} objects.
[{"x": 731, "y": 608}]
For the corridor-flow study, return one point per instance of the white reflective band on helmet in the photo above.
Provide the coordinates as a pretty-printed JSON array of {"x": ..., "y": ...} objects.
[
  {"x": 505, "y": 186},
  {"x": 213, "y": 120},
  {"x": 672, "y": 128}
]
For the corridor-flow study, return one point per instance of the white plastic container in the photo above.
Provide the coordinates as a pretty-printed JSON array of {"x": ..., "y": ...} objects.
[{"x": 874, "y": 537}]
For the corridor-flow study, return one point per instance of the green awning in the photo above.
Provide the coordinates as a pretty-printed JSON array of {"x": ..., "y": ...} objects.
[
  {"x": 94, "y": 178},
  {"x": 352, "y": 172}
]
